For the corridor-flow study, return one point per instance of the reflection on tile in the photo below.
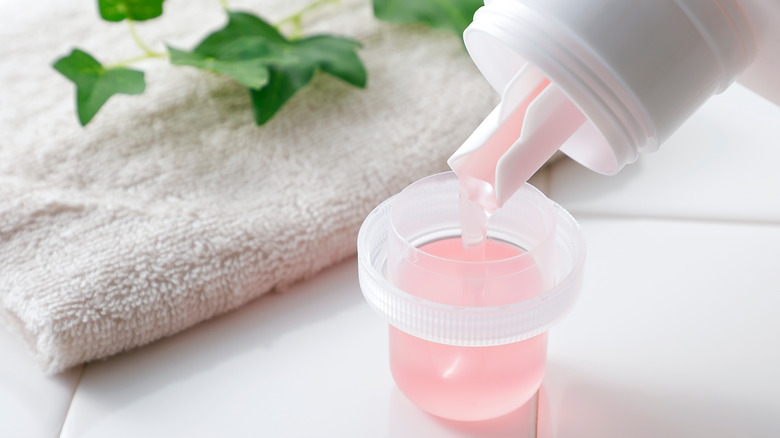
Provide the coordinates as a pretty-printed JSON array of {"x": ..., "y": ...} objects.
[
  {"x": 31, "y": 403},
  {"x": 721, "y": 164}
]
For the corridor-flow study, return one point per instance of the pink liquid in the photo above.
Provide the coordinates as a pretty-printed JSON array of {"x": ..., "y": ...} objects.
[{"x": 468, "y": 383}]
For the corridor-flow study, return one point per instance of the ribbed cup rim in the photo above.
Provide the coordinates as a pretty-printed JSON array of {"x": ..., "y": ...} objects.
[{"x": 465, "y": 325}]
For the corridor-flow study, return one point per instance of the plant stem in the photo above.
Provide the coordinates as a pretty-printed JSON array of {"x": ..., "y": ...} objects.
[
  {"x": 128, "y": 61},
  {"x": 296, "y": 19},
  {"x": 146, "y": 49}
]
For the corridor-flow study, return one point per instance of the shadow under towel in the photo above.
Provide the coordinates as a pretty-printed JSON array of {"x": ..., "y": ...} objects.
[{"x": 172, "y": 207}]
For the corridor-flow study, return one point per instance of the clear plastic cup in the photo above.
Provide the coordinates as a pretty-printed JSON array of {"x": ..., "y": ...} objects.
[{"x": 468, "y": 337}]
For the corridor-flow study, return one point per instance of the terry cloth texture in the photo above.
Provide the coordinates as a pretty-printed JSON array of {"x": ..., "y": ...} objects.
[{"x": 172, "y": 207}]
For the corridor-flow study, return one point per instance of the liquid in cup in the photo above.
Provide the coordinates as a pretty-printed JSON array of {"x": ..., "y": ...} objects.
[
  {"x": 468, "y": 337},
  {"x": 468, "y": 383},
  {"x": 457, "y": 381}
]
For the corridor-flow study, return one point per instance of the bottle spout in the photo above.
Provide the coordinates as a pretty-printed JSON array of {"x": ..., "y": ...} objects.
[{"x": 532, "y": 121}]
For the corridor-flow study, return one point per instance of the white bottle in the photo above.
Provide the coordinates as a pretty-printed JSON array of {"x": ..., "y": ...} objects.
[{"x": 623, "y": 76}]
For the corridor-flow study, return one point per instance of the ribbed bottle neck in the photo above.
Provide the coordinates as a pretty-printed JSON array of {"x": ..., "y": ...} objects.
[
  {"x": 570, "y": 65},
  {"x": 604, "y": 63}
]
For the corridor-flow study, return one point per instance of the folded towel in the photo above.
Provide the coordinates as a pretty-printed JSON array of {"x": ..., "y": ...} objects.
[{"x": 172, "y": 207}]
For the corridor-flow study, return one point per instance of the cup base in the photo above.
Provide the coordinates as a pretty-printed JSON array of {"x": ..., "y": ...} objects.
[{"x": 467, "y": 383}]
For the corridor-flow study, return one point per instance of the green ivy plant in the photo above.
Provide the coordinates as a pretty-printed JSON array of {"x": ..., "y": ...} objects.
[
  {"x": 273, "y": 68},
  {"x": 252, "y": 51}
]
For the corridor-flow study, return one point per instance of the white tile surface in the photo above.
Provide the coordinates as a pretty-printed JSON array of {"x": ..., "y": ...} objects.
[
  {"x": 31, "y": 404},
  {"x": 311, "y": 362},
  {"x": 723, "y": 163},
  {"x": 675, "y": 334}
]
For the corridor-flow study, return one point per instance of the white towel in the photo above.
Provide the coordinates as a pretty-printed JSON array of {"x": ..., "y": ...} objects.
[{"x": 172, "y": 207}]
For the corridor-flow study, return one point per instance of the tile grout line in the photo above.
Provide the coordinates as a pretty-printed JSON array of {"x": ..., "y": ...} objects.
[
  {"x": 672, "y": 218},
  {"x": 72, "y": 396}
]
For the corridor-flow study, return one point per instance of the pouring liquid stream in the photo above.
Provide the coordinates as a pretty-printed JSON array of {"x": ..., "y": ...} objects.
[
  {"x": 533, "y": 120},
  {"x": 478, "y": 200}
]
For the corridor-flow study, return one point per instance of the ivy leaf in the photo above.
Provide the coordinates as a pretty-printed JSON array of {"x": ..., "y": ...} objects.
[
  {"x": 333, "y": 55},
  {"x": 138, "y": 10},
  {"x": 454, "y": 15},
  {"x": 95, "y": 84},
  {"x": 274, "y": 68},
  {"x": 249, "y": 72}
]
